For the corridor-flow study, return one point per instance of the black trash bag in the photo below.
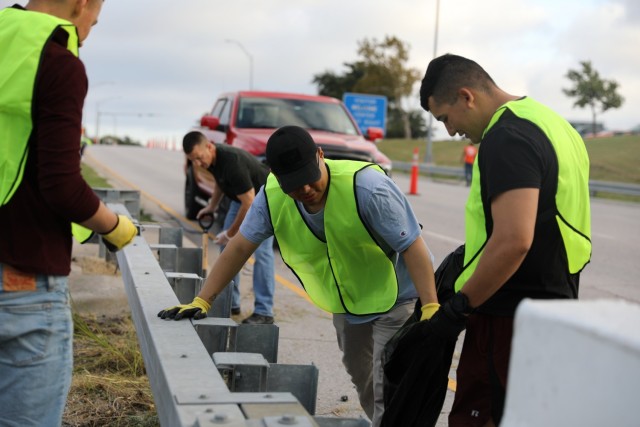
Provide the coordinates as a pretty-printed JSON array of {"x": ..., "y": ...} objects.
[{"x": 416, "y": 363}]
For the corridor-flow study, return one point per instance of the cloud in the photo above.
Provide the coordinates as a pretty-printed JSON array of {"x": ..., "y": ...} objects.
[{"x": 171, "y": 59}]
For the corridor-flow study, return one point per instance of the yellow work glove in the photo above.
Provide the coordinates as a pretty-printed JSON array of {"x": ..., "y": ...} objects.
[
  {"x": 197, "y": 309},
  {"x": 429, "y": 310},
  {"x": 121, "y": 235}
]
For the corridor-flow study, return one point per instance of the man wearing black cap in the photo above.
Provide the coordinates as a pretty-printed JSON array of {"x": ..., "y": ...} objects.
[{"x": 350, "y": 236}]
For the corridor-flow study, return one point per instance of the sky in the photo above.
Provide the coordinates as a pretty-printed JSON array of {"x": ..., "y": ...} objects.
[{"x": 156, "y": 66}]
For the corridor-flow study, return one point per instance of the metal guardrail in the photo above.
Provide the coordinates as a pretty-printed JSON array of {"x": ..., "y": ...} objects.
[
  {"x": 618, "y": 188},
  {"x": 430, "y": 169},
  {"x": 209, "y": 372},
  {"x": 595, "y": 187}
]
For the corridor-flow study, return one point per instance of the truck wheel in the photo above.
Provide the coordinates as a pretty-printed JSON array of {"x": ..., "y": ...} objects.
[{"x": 191, "y": 206}]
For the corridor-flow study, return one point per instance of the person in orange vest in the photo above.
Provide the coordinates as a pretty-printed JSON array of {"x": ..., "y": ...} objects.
[{"x": 468, "y": 157}]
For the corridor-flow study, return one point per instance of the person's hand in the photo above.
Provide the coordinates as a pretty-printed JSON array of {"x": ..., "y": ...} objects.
[
  {"x": 448, "y": 321},
  {"x": 428, "y": 310},
  {"x": 121, "y": 235},
  {"x": 222, "y": 238},
  {"x": 197, "y": 309},
  {"x": 207, "y": 210}
]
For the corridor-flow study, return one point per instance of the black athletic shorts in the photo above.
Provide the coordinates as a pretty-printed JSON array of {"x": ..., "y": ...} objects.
[{"x": 482, "y": 371}]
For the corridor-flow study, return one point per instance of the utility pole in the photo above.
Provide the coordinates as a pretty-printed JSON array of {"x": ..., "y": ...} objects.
[
  {"x": 246, "y": 52},
  {"x": 428, "y": 156},
  {"x": 98, "y": 116}
]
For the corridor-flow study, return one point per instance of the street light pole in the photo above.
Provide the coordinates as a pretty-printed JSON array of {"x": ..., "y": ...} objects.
[
  {"x": 98, "y": 116},
  {"x": 246, "y": 52},
  {"x": 428, "y": 156}
]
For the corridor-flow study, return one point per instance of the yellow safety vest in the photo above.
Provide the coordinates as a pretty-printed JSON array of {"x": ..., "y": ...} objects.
[
  {"x": 23, "y": 37},
  {"x": 572, "y": 212},
  {"x": 347, "y": 273}
]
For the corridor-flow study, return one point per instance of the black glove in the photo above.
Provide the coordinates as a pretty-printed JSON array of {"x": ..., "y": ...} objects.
[{"x": 451, "y": 319}]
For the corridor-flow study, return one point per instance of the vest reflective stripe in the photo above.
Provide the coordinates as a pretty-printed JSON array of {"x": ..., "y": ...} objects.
[
  {"x": 349, "y": 273},
  {"x": 23, "y": 36},
  {"x": 573, "y": 214}
]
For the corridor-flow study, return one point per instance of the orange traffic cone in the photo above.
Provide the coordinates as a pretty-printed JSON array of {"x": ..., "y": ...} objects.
[{"x": 413, "y": 187}]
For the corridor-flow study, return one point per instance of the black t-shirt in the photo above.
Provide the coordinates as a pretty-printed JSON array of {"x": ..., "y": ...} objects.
[
  {"x": 237, "y": 171},
  {"x": 514, "y": 154}
]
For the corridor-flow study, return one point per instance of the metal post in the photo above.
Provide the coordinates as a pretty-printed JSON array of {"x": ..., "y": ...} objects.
[
  {"x": 246, "y": 52},
  {"x": 98, "y": 116},
  {"x": 428, "y": 157}
]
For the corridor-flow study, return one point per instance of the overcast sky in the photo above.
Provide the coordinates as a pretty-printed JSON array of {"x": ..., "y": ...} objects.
[{"x": 158, "y": 65}]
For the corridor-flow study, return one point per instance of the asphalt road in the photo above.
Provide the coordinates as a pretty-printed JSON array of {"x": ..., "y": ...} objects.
[{"x": 439, "y": 206}]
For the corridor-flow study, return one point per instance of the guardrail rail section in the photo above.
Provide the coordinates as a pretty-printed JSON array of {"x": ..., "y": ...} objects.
[
  {"x": 213, "y": 371},
  {"x": 595, "y": 187}
]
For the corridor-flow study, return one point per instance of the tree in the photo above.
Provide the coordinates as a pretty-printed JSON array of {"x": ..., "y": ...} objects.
[
  {"x": 386, "y": 73},
  {"x": 395, "y": 124},
  {"x": 331, "y": 84},
  {"x": 589, "y": 89},
  {"x": 381, "y": 70}
]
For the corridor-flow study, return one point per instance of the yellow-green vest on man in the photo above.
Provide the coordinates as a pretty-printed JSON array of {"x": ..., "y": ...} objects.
[
  {"x": 572, "y": 214},
  {"x": 347, "y": 273},
  {"x": 18, "y": 71}
]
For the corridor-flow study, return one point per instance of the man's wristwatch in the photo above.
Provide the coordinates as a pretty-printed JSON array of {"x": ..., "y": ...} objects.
[{"x": 460, "y": 304}]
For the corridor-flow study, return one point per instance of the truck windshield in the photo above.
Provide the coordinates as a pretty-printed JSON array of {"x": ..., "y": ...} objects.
[{"x": 257, "y": 112}]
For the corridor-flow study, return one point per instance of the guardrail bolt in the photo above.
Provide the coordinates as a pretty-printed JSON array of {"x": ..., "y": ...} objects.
[
  {"x": 220, "y": 418},
  {"x": 288, "y": 420}
]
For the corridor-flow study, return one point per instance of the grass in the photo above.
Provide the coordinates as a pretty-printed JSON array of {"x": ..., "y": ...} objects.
[
  {"x": 615, "y": 159},
  {"x": 109, "y": 385},
  {"x": 92, "y": 177}
]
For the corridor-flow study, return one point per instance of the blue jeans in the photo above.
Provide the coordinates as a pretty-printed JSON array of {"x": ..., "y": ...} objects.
[
  {"x": 263, "y": 271},
  {"x": 468, "y": 173},
  {"x": 36, "y": 352}
]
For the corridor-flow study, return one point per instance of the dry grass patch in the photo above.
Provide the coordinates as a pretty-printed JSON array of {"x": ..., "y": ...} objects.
[{"x": 109, "y": 387}]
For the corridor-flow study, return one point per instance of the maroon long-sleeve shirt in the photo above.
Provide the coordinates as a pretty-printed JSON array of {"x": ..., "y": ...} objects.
[{"x": 35, "y": 226}]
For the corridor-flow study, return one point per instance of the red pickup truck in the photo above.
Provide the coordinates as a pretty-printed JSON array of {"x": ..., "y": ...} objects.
[{"x": 247, "y": 119}]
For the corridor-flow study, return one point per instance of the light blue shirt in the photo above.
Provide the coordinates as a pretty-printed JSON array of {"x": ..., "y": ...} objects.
[{"x": 383, "y": 208}]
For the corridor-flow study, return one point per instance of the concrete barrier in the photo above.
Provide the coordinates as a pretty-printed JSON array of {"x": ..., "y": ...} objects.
[{"x": 574, "y": 363}]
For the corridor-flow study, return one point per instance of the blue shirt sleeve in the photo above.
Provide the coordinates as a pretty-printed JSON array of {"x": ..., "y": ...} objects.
[
  {"x": 256, "y": 226},
  {"x": 386, "y": 210}
]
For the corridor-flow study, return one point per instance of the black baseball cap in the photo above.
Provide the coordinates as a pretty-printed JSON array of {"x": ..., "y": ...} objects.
[{"x": 292, "y": 156}]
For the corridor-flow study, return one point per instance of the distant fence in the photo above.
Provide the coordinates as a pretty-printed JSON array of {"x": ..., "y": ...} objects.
[
  {"x": 208, "y": 372},
  {"x": 595, "y": 187}
]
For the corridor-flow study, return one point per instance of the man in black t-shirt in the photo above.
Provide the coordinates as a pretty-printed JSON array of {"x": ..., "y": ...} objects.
[
  {"x": 239, "y": 176},
  {"x": 527, "y": 223}
]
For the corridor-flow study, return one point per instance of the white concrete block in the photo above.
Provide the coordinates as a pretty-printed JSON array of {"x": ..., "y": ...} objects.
[{"x": 574, "y": 363}]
